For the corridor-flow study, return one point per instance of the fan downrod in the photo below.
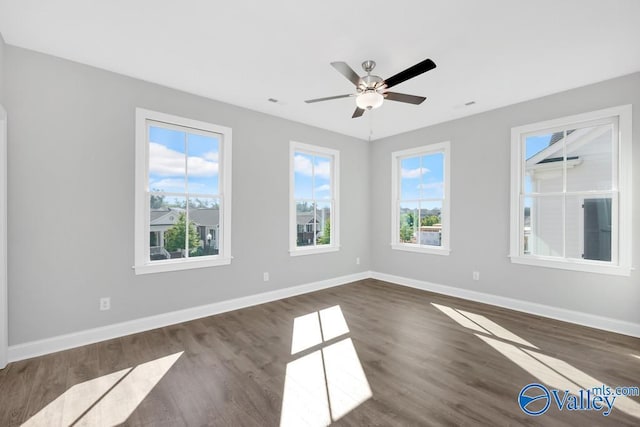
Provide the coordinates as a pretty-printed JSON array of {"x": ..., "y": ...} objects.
[{"x": 368, "y": 66}]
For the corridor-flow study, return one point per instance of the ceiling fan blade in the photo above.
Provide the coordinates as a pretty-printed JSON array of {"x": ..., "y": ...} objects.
[
  {"x": 403, "y": 97},
  {"x": 344, "y": 69},
  {"x": 359, "y": 112},
  {"x": 309, "y": 101},
  {"x": 411, "y": 72}
]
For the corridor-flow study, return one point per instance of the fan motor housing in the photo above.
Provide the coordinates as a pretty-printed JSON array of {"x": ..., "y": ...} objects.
[{"x": 369, "y": 82}]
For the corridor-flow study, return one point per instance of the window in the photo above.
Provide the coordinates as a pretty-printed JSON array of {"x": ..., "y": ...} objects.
[
  {"x": 314, "y": 199},
  {"x": 420, "y": 199},
  {"x": 183, "y": 193},
  {"x": 571, "y": 195}
]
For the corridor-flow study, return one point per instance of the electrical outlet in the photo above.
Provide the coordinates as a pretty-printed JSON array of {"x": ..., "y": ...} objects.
[
  {"x": 265, "y": 276},
  {"x": 476, "y": 275},
  {"x": 358, "y": 261},
  {"x": 105, "y": 303}
]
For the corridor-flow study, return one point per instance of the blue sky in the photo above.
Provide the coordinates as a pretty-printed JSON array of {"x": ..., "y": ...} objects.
[
  {"x": 532, "y": 146},
  {"x": 422, "y": 177},
  {"x": 535, "y": 144},
  {"x": 312, "y": 176},
  {"x": 167, "y": 171}
]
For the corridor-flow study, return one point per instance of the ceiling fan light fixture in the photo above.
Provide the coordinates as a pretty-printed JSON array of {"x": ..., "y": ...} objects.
[{"x": 369, "y": 100}]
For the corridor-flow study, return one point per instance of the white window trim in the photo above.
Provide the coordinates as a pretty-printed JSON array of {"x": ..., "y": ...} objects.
[
  {"x": 142, "y": 263},
  {"x": 396, "y": 157},
  {"x": 334, "y": 246},
  {"x": 624, "y": 235}
]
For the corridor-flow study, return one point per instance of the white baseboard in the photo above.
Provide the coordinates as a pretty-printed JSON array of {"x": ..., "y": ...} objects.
[
  {"x": 584, "y": 319},
  {"x": 90, "y": 336}
]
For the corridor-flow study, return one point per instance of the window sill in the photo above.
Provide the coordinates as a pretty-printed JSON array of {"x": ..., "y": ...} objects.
[
  {"x": 435, "y": 250},
  {"x": 312, "y": 251},
  {"x": 575, "y": 265},
  {"x": 183, "y": 264}
]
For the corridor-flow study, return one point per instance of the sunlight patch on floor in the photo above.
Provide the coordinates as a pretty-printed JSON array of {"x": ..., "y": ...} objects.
[
  {"x": 322, "y": 386},
  {"x": 460, "y": 319},
  {"x": 549, "y": 370},
  {"x": 106, "y": 400},
  {"x": 304, "y": 402},
  {"x": 333, "y": 323},
  {"x": 496, "y": 329},
  {"x": 306, "y": 332},
  {"x": 480, "y": 323},
  {"x": 622, "y": 403},
  {"x": 70, "y": 405},
  {"x": 346, "y": 381}
]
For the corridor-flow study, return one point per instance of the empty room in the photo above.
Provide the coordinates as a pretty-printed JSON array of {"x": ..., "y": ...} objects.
[{"x": 310, "y": 214}]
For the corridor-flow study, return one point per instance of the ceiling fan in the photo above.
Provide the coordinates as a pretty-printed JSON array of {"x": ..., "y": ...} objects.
[{"x": 372, "y": 90}]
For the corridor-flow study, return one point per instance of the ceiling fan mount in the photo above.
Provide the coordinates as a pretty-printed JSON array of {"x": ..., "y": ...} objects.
[{"x": 372, "y": 90}]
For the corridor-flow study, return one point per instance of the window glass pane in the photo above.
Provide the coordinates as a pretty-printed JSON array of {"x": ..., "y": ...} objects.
[
  {"x": 323, "y": 218},
  {"x": 409, "y": 213},
  {"x": 430, "y": 231},
  {"x": 546, "y": 225},
  {"x": 202, "y": 164},
  {"x": 303, "y": 176},
  {"x": 573, "y": 227},
  {"x": 204, "y": 231},
  {"x": 543, "y": 163},
  {"x": 166, "y": 228},
  {"x": 305, "y": 219},
  {"x": 410, "y": 178},
  {"x": 526, "y": 226},
  {"x": 322, "y": 177},
  {"x": 589, "y": 158},
  {"x": 597, "y": 229},
  {"x": 432, "y": 182},
  {"x": 166, "y": 160}
]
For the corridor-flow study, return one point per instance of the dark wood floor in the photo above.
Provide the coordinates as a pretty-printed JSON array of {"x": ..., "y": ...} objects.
[{"x": 421, "y": 365}]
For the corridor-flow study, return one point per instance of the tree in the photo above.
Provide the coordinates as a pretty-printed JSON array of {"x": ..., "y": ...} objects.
[
  {"x": 406, "y": 233},
  {"x": 326, "y": 233},
  {"x": 406, "y": 227},
  {"x": 174, "y": 238},
  {"x": 157, "y": 200},
  {"x": 429, "y": 220}
]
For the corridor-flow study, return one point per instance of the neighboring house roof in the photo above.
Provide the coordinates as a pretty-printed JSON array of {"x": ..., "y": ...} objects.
[
  {"x": 304, "y": 218},
  {"x": 208, "y": 217},
  {"x": 307, "y": 217}
]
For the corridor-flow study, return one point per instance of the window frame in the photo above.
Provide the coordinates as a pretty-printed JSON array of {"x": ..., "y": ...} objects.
[
  {"x": 445, "y": 215},
  {"x": 314, "y": 150},
  {"x": 143, "y": 264},
  {"x": 621, "y": 211}
]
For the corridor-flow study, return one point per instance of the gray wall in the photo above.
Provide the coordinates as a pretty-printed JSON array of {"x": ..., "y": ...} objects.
[
  {"x": 71, "y": 176},
  {"x": 2, "y": 48},
  {"x": 480, "y": 186},
  {"x": 71, "y": 165}
]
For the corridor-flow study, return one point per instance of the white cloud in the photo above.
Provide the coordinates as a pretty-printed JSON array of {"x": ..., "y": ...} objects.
[
  {"x": 167, "y": 184},
  {"x": 325, "y": 187},
  {"x": 303, "y": 165},
  {"x": 211, "y": 156},
  {"x": 167, "y": 162},
  {"x": 414, "y": 173}
]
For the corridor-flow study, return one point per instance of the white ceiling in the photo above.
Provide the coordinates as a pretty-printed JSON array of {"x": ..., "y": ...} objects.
[{"x": 493, "y": 52}]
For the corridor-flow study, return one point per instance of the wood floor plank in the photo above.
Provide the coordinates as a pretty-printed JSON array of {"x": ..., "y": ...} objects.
[{"x": 427, "y": 359}]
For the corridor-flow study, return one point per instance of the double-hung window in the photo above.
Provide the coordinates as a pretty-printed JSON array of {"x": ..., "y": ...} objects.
[
  {"x": 571, "y": 195},
  {"x": 420, "y": 199},
  {"x": 314, "y": 213},
  {"x": 183, "y": 193}
]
